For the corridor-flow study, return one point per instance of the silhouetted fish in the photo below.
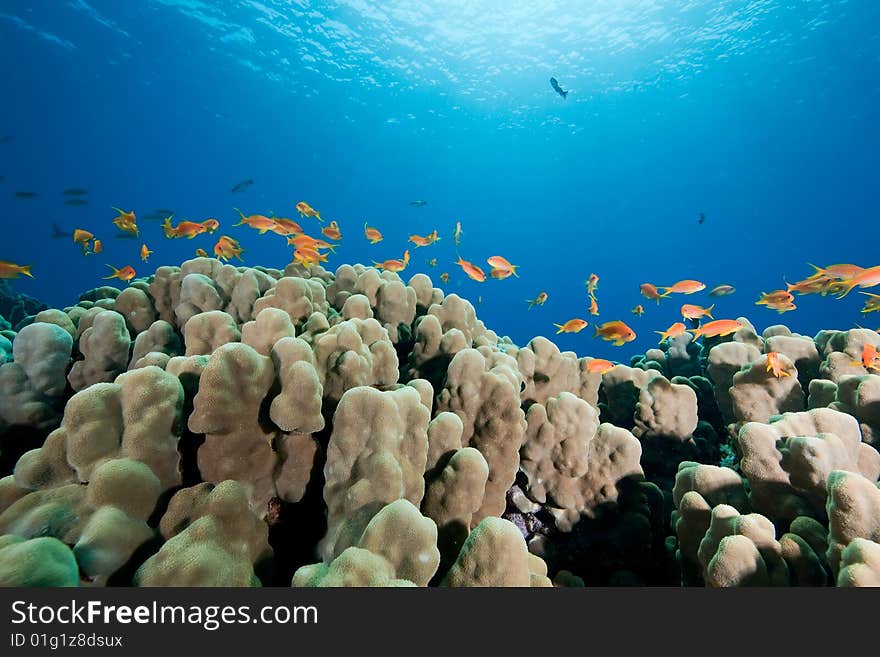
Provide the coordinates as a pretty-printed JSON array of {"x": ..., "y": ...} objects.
[
  {"x": 6, "y": 139},
  {"x": 26, "y": 195},
  {"x": 243, "y": 185},
  {"x": 75, "y": 191},
  {"x": 418, "y": 204},
  {"x": 76, "y": 202},
  {"x": 702, "y": 218},
  {"x": 557, "y": 88},
  {"x": 164, "y": 212},
  {"x": 59, "y": 234},
  {"x": 126, "y": 236}
]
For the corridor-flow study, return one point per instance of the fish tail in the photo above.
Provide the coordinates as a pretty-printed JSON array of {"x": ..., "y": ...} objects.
[
  {"x": 531, "y": 303},
  {"x": 596, "y": 334},
  {"x": 26, "y": 270},
  {"x": 709, "y": 311},
  {"x": 560, "y": 327},
  {"x": 115, "y": 209},
  {"x": 113, "y": 275},
  {"x": 663, "y": 335},
  {"x": 697, "y": 333}
]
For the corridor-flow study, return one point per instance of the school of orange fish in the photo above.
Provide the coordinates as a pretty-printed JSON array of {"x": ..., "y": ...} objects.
[{"x": 838, "y": 280}]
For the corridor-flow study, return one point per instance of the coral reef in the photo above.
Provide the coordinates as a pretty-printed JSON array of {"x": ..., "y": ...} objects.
[{"x": 215, "y": 425}]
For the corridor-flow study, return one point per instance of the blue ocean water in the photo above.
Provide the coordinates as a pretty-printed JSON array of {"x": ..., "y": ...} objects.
[{"x": 760, "y": 114}]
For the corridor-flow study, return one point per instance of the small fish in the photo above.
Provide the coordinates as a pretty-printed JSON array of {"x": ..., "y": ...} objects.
[
  {"x": 306, "y": 210},
  {"x": 124, "y": 274},
  {"x": 308, "y": 242},
  {"x": 701, "y": 218},
  {"x": 332, "y": 231},
  {"x": 456, "y": 236},
  {"x": 615, "y": 332},
  {"x": 638, "y": 310},
  {"x": 594, "y": 306},
  {"x": 473, "y": 272},
  {"x": 686, "y": 286},
  {"x": 97, "y": 247},
  {"x": 479, "y": 299},
  {"x": 243, "y": 185},
  {"x": 444, "y": 277},
  {"x": 83, "y": 237},
  {"x": 773, "y": 365},
  {"x": 145, "y": 252},
  {"x": 599, "y": 366},
  {"x": 26, "y": 195},
  {"x": 393, "y": 265},
  {"x": 307, "y": 257},
  {"x": 719, "y": 327},
  {"x": 11, "y": 270},
  {"x": 500, "y": 274},
  {"x": 59, "y": 234},
  {"x": 672, "y": 332},
  {"x": 870, "y": 359},
  {"x": 286, "y": 227},
  {"x": 126, "y": 222},
  {"x": 592, "y": 284},
  {"x": 554, "y": 83},
  {"x": 872, "y": 304},
  {"x": 865, "y": 278},
  {"x": 776, "y": 296},
  {"x": 372, "y": 234},
  {"x": 201, "y": 253},
  {"x": 690, "y": 311},
  {"x": 6, "y": 139},
  {"x": 649, "y": 291},
  {"x": 427, "y": 240},
  {"x": 76, "y": 202},
  {"x": 75, "y": 191},
  {"x": 575, "y": 325},
  {"x": 539, "y": 300},
  {"x": 432, "y": 262},
  {"x": 499, "y": 262},
  {"x": 227, "y": 248},
  {"x": 163, "y": 212},
  {"x": 259, "y": 222},
  {"x": 722, "y": 290},
  {"x": 418, "y": 203}
]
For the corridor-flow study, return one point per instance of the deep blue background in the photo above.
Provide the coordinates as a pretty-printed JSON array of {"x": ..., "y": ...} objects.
[{"x": 148, "y": 107}]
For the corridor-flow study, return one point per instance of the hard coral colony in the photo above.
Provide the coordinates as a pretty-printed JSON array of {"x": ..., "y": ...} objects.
[{"x": 215, "y": 424}]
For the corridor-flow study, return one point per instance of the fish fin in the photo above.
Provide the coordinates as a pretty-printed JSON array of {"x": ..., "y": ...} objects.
[
  {"x": 709, "y": 311},
  {"x": 560, "y": 327},
  {"x": 26, "y": 270}
]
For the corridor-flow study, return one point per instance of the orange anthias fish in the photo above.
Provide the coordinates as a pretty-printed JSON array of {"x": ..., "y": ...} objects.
[
  {"x": 432, "y": 262},
  {"x": 774, "y": 366},
  {"x": 458, "y": 233},
  {"x": 393, "y": 265},
  {"x": 872, "y": 305},
  {"x": 126, "y": 221},
  {"x": 592, "y": 284},
  {"x": 444, "y": 277},
  {"x": 125, "y": 274},
  {"x": 210, "y": 225},
  {"x": 308, "y": 256},
  {"x": 690, "y": 311},
  {"x": 286, "y": 227},
  {"x": 870, "y": 358},
  {"x": 473, "y": 272},
  {"x": 779, "y": 300},
  {"x": 840, "y": 271},
  {"x": 372, "y": 234},
  {"x": 672, "y": 332},
  {"x": 684, "y": 287},
  {"x": 599, "y": 366},
  {"x": 649, "y": 291},
  {"x": 331, "y": 231},
  {"x": 187, "y": 229},
  {"x": 307, "y": 242},
  {"x": 539, "y": 300},
  {"x": 638, "y": 310},
  {"x": 502, "y": 264},
  {"x": 722, "y": 290},
  {"x": 227, "y": 248},
  {"x": 306, "y": 210},
  {"x": 145, "y": 252},
  {"x": 719, "y": 327},
  {"x": 201, "y": 253},
  {"x": 501, "y": 274},
  {"x": 259, "y": 222},
  {"x": 594, "y": 306},
  {"x": 97, "y": 247},
  {"x": 11, "y": 270},
  {"x": 865, "y": 278},
  {"x": 812, "y": 285},
  {"x": 418, "y": 240},
  {"x": 83, "y": 237},
  {"x": 615, "y": 332},
  {"x": 575, "y": 325}
]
